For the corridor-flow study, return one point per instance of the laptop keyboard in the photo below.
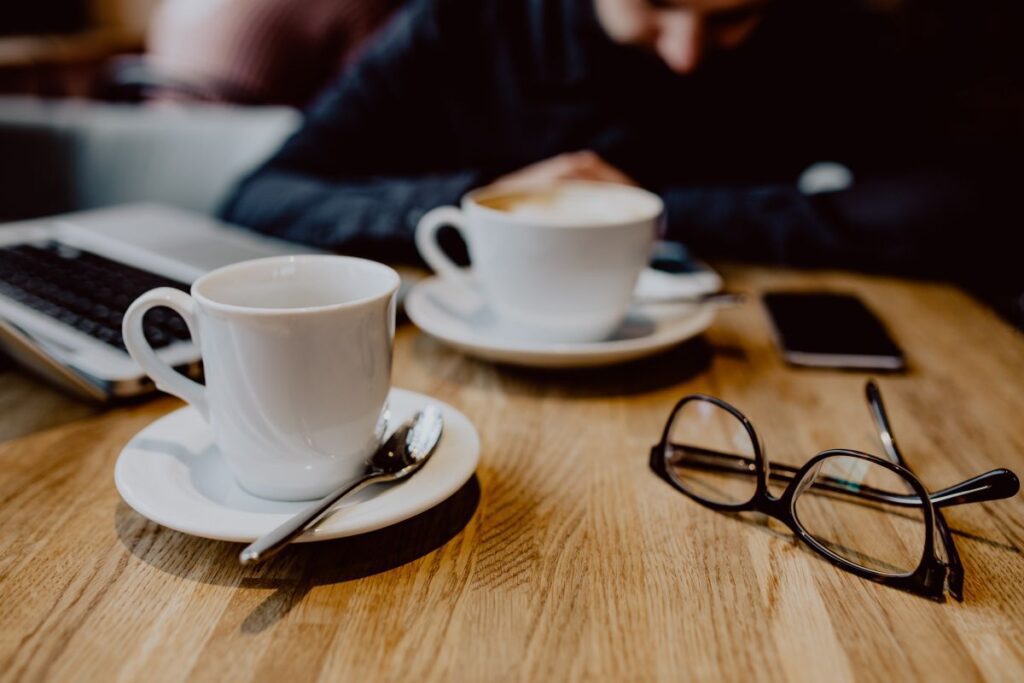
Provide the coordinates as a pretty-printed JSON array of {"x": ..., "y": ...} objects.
[{"x": 87, "y": 291}]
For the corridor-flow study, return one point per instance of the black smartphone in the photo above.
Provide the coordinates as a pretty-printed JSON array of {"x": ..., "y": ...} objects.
[{"x": 830, "y": 330}]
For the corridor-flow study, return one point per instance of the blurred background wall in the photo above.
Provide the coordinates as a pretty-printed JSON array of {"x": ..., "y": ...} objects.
[{"x": 58, "y": 47}]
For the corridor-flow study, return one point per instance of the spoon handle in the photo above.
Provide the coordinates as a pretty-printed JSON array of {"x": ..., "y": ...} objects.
[
  {"x": 269, "y": 544},
  {"x": 718, "y": 298}
]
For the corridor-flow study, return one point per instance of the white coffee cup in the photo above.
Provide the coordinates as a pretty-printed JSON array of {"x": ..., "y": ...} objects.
[
  {"x": 297, "y": 358},
  {"x": 560, "y": 265}
]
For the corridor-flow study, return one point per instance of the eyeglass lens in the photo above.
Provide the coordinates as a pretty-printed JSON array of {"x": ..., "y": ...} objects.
[
  {"x": 884, "y": 537},
  {"x": 709, "y": 453}
]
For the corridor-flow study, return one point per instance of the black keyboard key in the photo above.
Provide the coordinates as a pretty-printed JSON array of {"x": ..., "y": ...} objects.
[
  {"x": 156, "y": 337},
  {"x": 178, "y": 328},
  {"x": 69, "y": 317},
  {"x": 106, "y": 334},
  {"x": 87, "y": 326},
  {"x": 159, "y": 316}
]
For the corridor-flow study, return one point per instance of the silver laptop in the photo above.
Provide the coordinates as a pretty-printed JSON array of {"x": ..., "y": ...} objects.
[{"x": 66, "y": 281}]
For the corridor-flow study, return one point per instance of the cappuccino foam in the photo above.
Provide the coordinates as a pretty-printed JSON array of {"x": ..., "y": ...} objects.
[{"x": 573, "y": 205}]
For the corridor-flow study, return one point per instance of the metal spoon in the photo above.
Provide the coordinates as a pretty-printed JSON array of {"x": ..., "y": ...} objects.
[
  {"x": 398, "y": 458},
  {"x": 717, "y": 298}
]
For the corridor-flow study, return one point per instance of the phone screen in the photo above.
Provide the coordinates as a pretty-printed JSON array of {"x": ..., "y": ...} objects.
[{"x": 831, "y": 330}]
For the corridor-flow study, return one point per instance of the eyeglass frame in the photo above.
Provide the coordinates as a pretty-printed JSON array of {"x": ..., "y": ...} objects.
[{"x": 932, "y": 577}]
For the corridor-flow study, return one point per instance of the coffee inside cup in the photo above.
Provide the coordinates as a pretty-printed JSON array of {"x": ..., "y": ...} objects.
[{"x": 575, "y": 204}]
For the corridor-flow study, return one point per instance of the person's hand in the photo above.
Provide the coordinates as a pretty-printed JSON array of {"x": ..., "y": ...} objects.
[{"x": 584, "y": 165}]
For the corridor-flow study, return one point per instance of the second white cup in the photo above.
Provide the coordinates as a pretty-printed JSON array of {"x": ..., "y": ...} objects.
[{"x": 559, "y": 264}]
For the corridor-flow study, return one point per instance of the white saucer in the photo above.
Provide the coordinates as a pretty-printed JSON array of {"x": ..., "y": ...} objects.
[
  {"x": 458, "y": 316},
  {"x": 172, "y": 473}
]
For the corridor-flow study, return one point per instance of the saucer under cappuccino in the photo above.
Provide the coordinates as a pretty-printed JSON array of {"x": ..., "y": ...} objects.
[{"x": 560, "y": 264}]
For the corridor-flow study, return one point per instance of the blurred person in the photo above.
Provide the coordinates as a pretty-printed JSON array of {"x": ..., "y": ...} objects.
[
  {"x": 256, "y": 51},
  {"x": 726, "y": 108}
]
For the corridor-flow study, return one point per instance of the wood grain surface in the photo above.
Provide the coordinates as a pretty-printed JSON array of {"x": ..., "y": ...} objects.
[
  {"x": 564, "y": 558},
  {"x": 26, "y": 406}
]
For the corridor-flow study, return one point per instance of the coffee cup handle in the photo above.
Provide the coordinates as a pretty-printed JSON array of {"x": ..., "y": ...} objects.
[
  {"x": 163, "y": 375},
  {"x": 426, "y": 241}
]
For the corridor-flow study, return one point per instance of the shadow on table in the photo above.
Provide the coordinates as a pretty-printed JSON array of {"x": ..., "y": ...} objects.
[
  {"x": 642, "y": 376},
  {"x": 293, "y": 573},
  {"x": 667, "y": 369}
]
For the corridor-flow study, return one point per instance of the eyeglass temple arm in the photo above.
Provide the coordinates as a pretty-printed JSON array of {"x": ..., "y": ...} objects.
[
  {"x": 874, "y": 397},
  {"x": 993, "y": 485},
  {"x": 955, "y": 577},
  {"x": 707, "y": 459}
]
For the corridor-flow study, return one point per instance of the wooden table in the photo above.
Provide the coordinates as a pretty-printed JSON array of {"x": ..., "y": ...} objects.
[{"x": 565, "y": 558}]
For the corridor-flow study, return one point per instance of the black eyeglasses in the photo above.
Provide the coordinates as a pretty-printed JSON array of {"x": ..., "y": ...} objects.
[{"x": 868, "y": 515}]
